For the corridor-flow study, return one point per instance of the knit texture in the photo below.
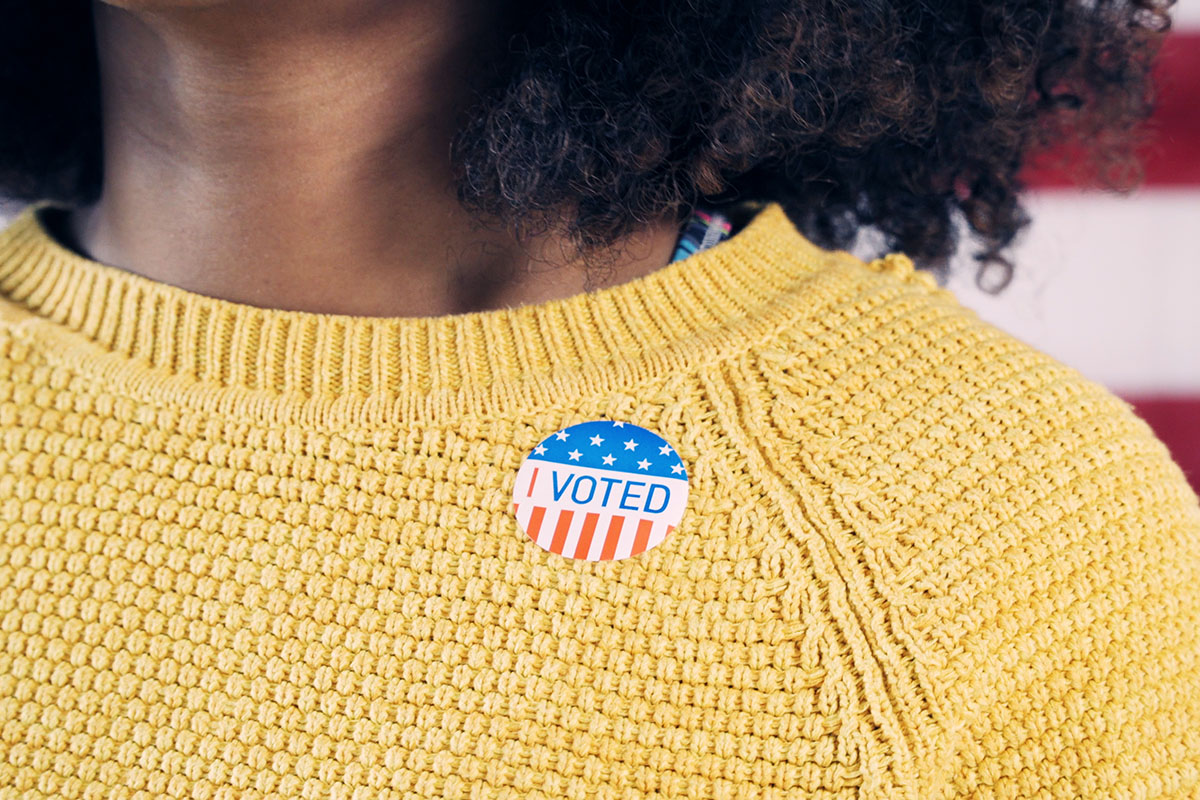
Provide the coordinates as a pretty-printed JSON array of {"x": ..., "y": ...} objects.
[{"x": 250, "y": 552}]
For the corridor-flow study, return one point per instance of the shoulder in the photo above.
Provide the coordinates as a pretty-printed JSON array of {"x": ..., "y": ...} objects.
[
  {"x": 923, "y": 420},
  {"x": 904, "y": 420},
  {"x": 1010, "y": 528},
  {"x": 936, "y": 432},
  {"x": 892, "y": 383}
]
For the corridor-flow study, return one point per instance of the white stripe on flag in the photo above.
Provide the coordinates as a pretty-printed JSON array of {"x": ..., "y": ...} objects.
[{"x": 1106, "y": 284}]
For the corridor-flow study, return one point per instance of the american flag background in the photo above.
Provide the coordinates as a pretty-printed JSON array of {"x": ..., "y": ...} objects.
[{"x": 600, "y": 491}]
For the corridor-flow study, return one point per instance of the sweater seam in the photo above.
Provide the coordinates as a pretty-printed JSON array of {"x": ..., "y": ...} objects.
[{"x": 773, "y": 480}]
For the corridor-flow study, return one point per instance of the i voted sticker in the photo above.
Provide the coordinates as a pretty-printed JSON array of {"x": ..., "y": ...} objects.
[{"x": 600, "y": 491}]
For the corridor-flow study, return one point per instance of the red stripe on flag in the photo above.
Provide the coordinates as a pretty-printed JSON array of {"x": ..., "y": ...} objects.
[
  {"x": 1171, "y": 154},
  {"x": 1174, "y": 420},
  {"x": 642, "y": 536},
  {"x": 585, "y": 536},
  {"x": 611, "y": 538},
  {"x": 560, "y": 531}
]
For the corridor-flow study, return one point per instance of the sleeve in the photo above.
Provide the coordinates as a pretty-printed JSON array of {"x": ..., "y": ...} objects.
[{"x": 1072, "y": 632}]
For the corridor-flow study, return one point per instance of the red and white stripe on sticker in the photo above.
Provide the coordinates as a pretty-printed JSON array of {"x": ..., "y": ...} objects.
[{"x": 600, "y": 491}]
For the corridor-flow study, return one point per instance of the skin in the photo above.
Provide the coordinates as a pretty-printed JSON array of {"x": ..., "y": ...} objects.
[{"x": 294, "y": 154}]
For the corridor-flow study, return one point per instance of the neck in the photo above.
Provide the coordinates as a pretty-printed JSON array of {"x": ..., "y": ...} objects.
[{"x": 295, "y": 155}]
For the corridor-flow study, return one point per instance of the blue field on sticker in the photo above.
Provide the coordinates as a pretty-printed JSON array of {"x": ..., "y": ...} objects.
[{"x": 608, "y": 445}]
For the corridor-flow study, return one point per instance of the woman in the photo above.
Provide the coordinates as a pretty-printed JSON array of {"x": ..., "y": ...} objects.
[{"x": 448, "y": 399}]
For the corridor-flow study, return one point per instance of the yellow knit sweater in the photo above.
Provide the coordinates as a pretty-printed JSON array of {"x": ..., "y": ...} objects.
[{"x": 254, "y": 553}]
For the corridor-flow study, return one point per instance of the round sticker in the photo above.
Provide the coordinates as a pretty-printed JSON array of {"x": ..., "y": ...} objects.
[{"x": 600, "y": 491}]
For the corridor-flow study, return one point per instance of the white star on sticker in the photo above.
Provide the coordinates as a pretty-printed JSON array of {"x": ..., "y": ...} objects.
[
  {"x": 678, "y": 468},
  {"x": 643, "y": 464},
  {"x": 618, "y": 424},
  {"x": 574, "y": 455},
  {"x": 596, "y": 440},
  {"x": 562, "y": 435},
  {"x": 664, "y": 450},
  {"x": 631, "y": 445},
  {"x": 540, "y": 449},
  {"x": 608, "y": 459}
]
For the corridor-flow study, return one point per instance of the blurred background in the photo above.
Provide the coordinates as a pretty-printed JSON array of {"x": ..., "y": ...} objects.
[{"x": 1108, "y": 283}]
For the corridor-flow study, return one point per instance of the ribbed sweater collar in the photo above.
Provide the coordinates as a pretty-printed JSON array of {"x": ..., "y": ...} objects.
[{"x": 153, "y": 337}]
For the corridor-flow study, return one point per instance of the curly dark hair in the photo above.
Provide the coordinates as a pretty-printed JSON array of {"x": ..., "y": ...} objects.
[{"x": 898, "y": 114}]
